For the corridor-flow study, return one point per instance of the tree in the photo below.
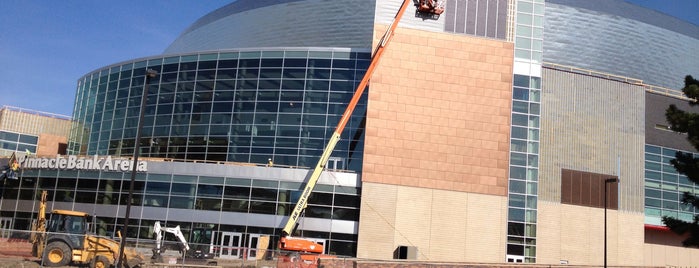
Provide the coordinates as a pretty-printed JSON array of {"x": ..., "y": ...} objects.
[{"x": 686, "y": 163}]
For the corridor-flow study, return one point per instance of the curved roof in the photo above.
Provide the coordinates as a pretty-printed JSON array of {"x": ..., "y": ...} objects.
[
  {"x": 280, "y": 23},
  {"x": 622, "y": 39},
  {"x": 610, "y": 36}
]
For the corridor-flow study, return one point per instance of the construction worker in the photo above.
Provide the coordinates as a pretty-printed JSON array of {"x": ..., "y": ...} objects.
[{"x": 431, "y": 6}]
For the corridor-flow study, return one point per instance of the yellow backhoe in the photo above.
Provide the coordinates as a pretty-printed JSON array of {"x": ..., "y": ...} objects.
[{"x": 66, "y": 238}]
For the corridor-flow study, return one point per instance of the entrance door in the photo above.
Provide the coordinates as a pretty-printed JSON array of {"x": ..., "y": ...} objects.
[
  {"x": 230, "y": 245},
  {"x": 5, "y": 227},
  {"x": 253, "y": 242}
]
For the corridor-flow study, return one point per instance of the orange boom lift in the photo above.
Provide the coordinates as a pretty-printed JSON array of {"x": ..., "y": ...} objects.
[{"x": 307, "y": 250}]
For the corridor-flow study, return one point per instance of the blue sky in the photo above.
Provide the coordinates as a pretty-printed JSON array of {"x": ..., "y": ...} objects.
[{"x": 46, "y": 45}]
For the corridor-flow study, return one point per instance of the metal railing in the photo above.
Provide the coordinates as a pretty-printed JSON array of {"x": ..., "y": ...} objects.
[{"x": 634, "y": 81}]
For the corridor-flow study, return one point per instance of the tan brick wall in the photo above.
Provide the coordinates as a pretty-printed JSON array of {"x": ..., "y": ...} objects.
[
  {"x": 33, "y": 122},
  {"x": 361, "y": 263},
  {"x": 664, "y": 248},
  {"x": 439, "y": 113},
  {"x": 661, "y": 255},
  {"x": 576, "y": 234},
  {"x": 51, "y": 145},
  {"x": 443, "y": 225}
]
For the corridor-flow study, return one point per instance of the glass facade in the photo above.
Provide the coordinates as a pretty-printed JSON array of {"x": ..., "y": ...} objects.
[
  {"x": 529, "y": 30},
  {"x": 237, "y": 106},
  {"x": 524, "y": 133},
  {"x": 664, "y": 187},
  {"x": 524, "y": 168},
  {"x": 169, "y": 198}
]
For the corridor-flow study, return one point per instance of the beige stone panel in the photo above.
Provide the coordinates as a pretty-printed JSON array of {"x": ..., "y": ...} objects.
[
  {"x": 486, "y": 228},
  {"x": 548, "y": 243},
  {"x": 627, "y": 236},
  {"x": 670, "y": 256},
  {"x": 448, "y": 229},
  {"x": 576, "y": 234},
  {"x": 443, "y": 225},
  {"x": 414, "y": 217},
  {"x": 653, "y": 255},
  {"x": 377, "y": 221}
]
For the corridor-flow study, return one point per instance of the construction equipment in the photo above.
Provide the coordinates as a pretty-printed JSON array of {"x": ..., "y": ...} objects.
[
  {"x": 431, "y": 6},
  {"x": 197, "y": 255},
  {"x": 66, "y": 237},
  {"x": 158, "y": 230},
  {"x": 306, "y": 250}
]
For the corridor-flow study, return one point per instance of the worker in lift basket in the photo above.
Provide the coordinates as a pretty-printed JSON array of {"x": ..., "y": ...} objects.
[{"x": 432, "y": 6}]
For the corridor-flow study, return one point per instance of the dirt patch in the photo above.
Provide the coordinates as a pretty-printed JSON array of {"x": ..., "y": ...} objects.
[{"x": 18, "y": 262}]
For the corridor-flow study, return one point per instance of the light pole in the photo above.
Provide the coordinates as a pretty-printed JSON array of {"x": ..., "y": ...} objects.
[
  {"x": 606, "y": 182},
  {"x": 150, "y": 73}
]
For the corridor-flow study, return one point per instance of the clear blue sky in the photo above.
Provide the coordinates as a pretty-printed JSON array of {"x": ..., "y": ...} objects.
[{"x": 46, "y": 45}]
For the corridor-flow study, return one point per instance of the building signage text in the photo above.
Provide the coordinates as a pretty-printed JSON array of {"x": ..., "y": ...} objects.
[{"x": 83, "y": 163}]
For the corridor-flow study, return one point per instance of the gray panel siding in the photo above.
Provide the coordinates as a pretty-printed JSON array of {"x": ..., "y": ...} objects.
[
  {"x": 655, "y": 115},
  {"x": 233, "y": 8},
  {"x": 317, "y": 23},
  {"x": 486, "y": 18},
  {"x": 621, "y": 8},
  {"x": 595, "y": 125},
  {"x": 252, "y": 172},
  {"x": 603, "y": 42}
]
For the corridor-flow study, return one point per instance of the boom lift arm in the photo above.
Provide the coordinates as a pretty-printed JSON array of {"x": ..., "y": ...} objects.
[{"x": 286, "y": 242}]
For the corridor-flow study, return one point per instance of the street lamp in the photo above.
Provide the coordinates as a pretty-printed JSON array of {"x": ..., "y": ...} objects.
[
  {"x": 606, "y": 182},
  {"x": 150, "y": 73}
]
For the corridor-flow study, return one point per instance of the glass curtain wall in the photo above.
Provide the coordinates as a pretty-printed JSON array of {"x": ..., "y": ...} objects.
[
  {"x": 664, "y": 187},
  {"x": 238, "y": 106},
  {"x": 101, "y": 193},
  {"x": 524, "y": 136}
]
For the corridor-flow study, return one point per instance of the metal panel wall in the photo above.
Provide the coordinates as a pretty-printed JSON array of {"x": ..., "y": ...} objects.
[
  {"x": 595, "y": 125},
  {"x": 310, "y": 23},
  {"x": 597, "y": 40},
  {"x": 655, "y": 118}
]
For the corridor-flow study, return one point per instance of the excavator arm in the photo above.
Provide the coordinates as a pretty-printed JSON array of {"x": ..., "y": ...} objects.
[
  {"x": 38, "y": 236},
  {"x": 158, "y": 230},
  {"x": 286, "y": 243}
]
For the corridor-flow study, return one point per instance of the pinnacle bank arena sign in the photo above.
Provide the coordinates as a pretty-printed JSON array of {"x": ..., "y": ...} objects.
[{"x": 83, "y": 163}]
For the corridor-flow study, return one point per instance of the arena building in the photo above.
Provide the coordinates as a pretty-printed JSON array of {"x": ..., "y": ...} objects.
[{"x": 499, "y": 131}]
